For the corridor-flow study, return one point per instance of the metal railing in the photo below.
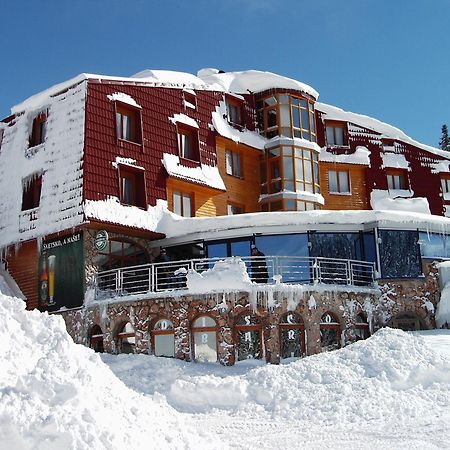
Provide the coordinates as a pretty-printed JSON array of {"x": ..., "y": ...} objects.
[{"x": 161, "y": 277}]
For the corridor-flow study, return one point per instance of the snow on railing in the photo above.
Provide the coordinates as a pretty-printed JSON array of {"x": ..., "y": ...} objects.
[{"x": 170, "y": 276}]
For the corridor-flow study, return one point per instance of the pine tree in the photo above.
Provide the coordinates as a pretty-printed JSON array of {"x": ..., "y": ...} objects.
[{"x": 444, "y": 143}]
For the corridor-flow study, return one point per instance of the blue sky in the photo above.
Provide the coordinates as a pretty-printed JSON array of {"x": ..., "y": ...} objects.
[{"x": 388, "y": 59}]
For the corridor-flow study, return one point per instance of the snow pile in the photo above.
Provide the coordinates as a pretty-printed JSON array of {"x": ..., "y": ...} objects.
[
  {"x": 443, "y": 307},
  {"x": 124, "y": 98},
  {"x": 395, "y": 161},
  {"x": 388, "y": 201},
  {"x": 55, "y": 394},
  {"x": 230, "y": 273}
]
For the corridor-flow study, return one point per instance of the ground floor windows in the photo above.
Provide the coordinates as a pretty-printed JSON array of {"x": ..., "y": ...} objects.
[
  {"x": 163, "y": 338},
  {"x": 330, "y": 332},
  {"x": 125, "y": 339},
  {"x": 248, "y": 337},
  {"x": 406, "y": 322},
  {"x": 204, "y": 333},
  {"x": 292, "y": 336},
  {"x": 362, "y": 330},
  {"x": 96, "y": 339}
]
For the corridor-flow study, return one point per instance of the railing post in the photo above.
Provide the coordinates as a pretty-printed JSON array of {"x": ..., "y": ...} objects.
[
  {"x": 349, "y": 273},
  {"x": 119, "y": 281},
  {"x": 316, "y": 271}
]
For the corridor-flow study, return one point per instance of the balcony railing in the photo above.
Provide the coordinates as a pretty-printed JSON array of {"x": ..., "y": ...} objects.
[{"x": 163, "y": 277}]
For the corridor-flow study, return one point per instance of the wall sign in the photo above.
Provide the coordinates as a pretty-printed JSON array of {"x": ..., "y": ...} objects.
[
  {"x": 101, "y": 240},
  {"x": 61, "y": 273}
]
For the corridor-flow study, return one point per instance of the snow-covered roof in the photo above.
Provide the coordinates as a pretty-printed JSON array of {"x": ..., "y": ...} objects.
[
  {"x": 360, "y": 156},
  {"x": 252, "y": 81},
  {"x": 385, "y": 130},
  {"x": 394, "y": 161},
  {"x": 174, "y": 226},
  {"x": 203, "y": 174}
]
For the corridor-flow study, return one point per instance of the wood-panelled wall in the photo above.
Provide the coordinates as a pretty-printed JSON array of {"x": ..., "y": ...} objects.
[
  {"x": 359, "y": 194},
  {"x": 23, "y": 267}
]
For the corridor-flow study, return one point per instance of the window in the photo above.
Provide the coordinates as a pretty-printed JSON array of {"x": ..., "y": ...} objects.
[
  {"x": 38, "y": 129},
  {"x": 292, "y": 336},
  {"x": 234, "y": 209},
  {"x": 445, "y": 183},
  {"x": 233, "y": 163},
  {"x": 406, "y": 322},
  {"x": 188, "y": 143},
  {"x": 128, "y": 123},
  {"x": 234, "y": 112},
  {"x": 336, "y": 134},
  {"x": 190, "y": 99},
  {"x": 96, "y": 339},
  {"x": 132, "y": 187},
  {"x": 126, "y": 340},
  {"x": 182, "y": 204},
  {"x": 330, "y": 332},
  {"x": 163, "y": 338},
  {"x": 120, "y": 253},
  {"x": 205, "y": 339},
  {"x": 396, "y": 180},
  {"x": 362, "y": 330},
  {"x": 31, "y": 191},
  {"x": 339, "y": 182},
  {"x": 248, "y": 337},
  {"x": 287, "y": 115}
]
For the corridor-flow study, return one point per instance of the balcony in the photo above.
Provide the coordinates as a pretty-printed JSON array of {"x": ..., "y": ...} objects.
[{"x": 167, "y": 277}]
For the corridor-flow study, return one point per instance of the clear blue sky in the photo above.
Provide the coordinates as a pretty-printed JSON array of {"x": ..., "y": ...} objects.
[{"x": 389, "y": 59}]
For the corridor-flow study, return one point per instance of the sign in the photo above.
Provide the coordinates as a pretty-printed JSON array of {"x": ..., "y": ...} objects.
[
  {"x": 101, "y": 240},
  {"x": 61, "y": 273}
]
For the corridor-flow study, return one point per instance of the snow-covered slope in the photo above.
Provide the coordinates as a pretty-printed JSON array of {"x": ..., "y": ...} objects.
[{"x": 55, "y": 394}]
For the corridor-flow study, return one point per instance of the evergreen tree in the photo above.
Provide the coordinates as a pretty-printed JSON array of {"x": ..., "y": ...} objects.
[{"x": 444, "y": 143}]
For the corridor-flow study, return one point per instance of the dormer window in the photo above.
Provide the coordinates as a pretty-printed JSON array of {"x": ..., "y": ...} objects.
[
  {"x": 128, "y": 123},
  {"x": 38, "y": 129},
  {"x": 31, "y": 191},
  {"x": 188, "y": 143},
  {"x": 132, "y": 187},
  {"x": 396, "y": 179},
  {"x": 234, "y": 112},
  {"x": 337, "y": 134},
  {"x": 189, "y": 99}
]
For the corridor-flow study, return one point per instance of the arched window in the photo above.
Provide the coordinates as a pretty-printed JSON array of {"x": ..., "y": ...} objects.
[
  {"x": 126, "y": 340},
  {"x": 292, "y": 336},
  {"x": 96, "y": 339},
  {"x": 248, "y": 337},
  {"x": 330, "y": 332},
  {"x": 163, "y": 338},
  {"x": 120, "y": 253},
  {"x": 406, "y": 322},
  {"x": 205, "y": 339},
  {"x": 361, "y": 327}
]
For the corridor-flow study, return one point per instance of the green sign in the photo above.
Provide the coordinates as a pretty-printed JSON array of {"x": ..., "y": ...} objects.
[{"x": 61, "y": 273}]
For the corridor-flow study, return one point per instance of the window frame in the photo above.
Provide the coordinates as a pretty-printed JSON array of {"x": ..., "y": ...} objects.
[
  {"x": 286, "y": 326},
  {"x": 235, "y": 105},
  {"x": 120, "y": 109},
  {"x": 334, "y": 125},
  {"x": 139, "y": 195},
  {"x": 38, "y": 130},
  {"x": 121, "y": 335},
  {"x": 183, "y": 195},
  {"x": 31, "y": 191},
  {"x": 235, "y": 168},
  {"x": 208, "y": 329},
  {"x": 335, "y": 325},
  {"x": 192, "y": 133},
  {"x": 401, "y": 175},
  {"x": 445, "y": 181},
  {"x": 154, "y": 332},
  {"x": 257, "y": 327},
  {"x": 338, "y": 182},
  {"x": 189, "y": 97}
]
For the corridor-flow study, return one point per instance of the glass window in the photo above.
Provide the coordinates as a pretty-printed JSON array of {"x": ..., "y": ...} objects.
[
  {"x": 132, "y": 187},
  {"x": 188, "y": 143},
  {"x": 31, "y": 191},
  {"x": 182, "y": 204},
  {"x": 128, "y": 123},
  {"x": 292, "y": 336},
  {"x": 396, "y": 180},
  {"x": 96, "y": 339},
  {"x": 126, "y": 340},
  {"x": 330, "y": 332},
  {"x": 38, "y": 129},
  {"x": 361, "y": 327},
  {"x": 233, "y": 163},
  {"x": 445, "y": 185},
  {"x": 433, "y": 245},
  {"x": 400, "y": 254},
  {"x": 335, "y": 245},
  {"x": 339, "y": 181},
  {"x": 205, "y": 339},
  {"x": 336, "y": 135},
  {"x": 163, "y": 338}
]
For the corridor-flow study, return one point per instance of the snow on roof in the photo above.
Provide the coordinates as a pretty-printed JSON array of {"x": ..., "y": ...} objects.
[
  {"x": 387, "y": 200},
  {"x": 442, "y": 166},
  {"x": 171, "y": 77},
  {"x": 223, "y": 128},
  {"x": 360, "y": 156},
  {"x": 124, "y": 98},
  {"x": 175, "y": 226},
  {"x": 58, "y": 159},
  {"x": 395, "y": 161},
  {"x": 252, "y": 81},
  {"x": 204, "y": 174},
  {"x": 384, "y": 129},
  {"x": 184, "y": 119}
]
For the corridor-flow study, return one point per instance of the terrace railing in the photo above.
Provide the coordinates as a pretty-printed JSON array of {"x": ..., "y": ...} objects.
[{"x": 162, "y": 277}]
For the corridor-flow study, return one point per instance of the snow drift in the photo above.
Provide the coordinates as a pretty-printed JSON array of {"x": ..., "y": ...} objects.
[{"x": 55, "y": 394}]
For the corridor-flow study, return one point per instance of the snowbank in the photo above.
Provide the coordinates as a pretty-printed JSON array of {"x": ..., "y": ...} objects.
[
  {"x": 55, "y": 394},
  {"x": 388, "y": 201}
]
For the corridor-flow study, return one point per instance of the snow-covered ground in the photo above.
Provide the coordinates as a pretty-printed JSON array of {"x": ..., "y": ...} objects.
[{"x": 391, "y": 391}]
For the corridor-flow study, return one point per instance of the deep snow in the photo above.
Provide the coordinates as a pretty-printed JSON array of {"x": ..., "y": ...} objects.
[{"x": 390, "y": 391}]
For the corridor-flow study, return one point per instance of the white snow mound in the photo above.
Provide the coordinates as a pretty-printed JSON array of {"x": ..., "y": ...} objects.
[{"x": 55, "y": 394}]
